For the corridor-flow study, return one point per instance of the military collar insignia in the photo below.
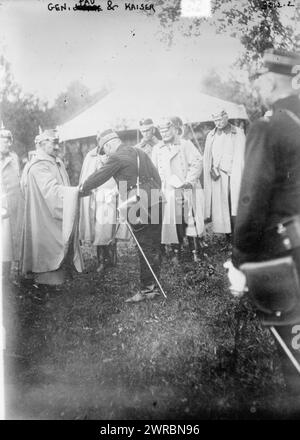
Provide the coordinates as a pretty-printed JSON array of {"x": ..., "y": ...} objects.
[{"x": 231, "y": 128}]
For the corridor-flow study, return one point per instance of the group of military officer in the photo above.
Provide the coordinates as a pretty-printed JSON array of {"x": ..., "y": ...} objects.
[
  {"x": 165, "y": 173},
  {"x": 261, "y": 187}
]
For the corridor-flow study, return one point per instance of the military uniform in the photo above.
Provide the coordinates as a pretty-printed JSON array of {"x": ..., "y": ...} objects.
[
  {"x": 11, "y": 203},
  {"x": 123, "y": 167},
  {"x": 149, "y": 140},
  {"x": 224, "y": 150},
  {"x": 147, "y": 146},
  {"x": 50, "y": 242},
  {"x": 270, "y": 192}
]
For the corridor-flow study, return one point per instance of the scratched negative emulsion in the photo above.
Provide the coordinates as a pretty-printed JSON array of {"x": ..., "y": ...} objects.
[{"x": 195, "y": 8}]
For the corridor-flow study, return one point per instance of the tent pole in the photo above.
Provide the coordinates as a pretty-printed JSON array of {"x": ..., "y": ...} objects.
[{"x": 194, "y": 136}]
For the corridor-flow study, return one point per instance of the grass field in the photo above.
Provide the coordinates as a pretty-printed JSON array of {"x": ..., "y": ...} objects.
[{"x": 86, "y": 354}]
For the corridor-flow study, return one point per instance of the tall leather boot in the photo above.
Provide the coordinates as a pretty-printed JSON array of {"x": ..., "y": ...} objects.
[
  {"x": 101, "y": 259},
  {"x": 110, "y": 255},
  {"x": 194, "y": 248},
  {"x": 176, "y": 250}
]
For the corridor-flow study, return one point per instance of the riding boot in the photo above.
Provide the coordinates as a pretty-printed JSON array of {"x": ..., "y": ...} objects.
[
  {"x": 194, "y": 247},
  {"x": 176, "y": 251},
  {"x": 113, "y": 254},
  {"x": 163, "y": 251},
  {"x": 110, "y": 255},
  {"x": 101, "y": 259}
]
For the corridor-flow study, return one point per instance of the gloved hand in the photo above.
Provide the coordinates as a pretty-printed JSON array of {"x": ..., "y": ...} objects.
[
  {"x": 83, "y": 193},
  {"x": 237, "y": 280},
  {"x": 187, "y": 185}
]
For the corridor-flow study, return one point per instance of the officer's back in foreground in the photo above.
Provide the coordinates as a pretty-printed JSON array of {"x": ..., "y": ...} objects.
[
  {"x": 270, "y": 189},
  {"x": 268, "y": 220}
]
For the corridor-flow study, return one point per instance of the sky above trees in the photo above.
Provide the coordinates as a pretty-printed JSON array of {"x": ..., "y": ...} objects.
[
  {"x": 54, "y": 64},
  {"x": 48, "y": 50}
]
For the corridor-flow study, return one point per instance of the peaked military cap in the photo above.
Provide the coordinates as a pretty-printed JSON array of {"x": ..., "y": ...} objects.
[
  {"x": 47, "y": 135},
  {"x": 219, "y": 112},
  {"x": 169, "y": 121},
  {"x": 146, "y": 123},
  {"x": 279, "y": 61},
  {"x": 106, "y": 136}
]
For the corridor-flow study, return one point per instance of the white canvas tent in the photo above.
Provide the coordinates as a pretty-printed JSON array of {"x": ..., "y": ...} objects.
[{"x": 122, "y": 109}]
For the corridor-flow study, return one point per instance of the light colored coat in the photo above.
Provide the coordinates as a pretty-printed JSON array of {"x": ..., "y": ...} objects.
[
  {"x": 183, "y": 160},
  {"x": 50, "y": 216},
  {"x": 12, "y": 206},
  {"x": 98, "y": 212},
  {"x": 216, "y": 192}
]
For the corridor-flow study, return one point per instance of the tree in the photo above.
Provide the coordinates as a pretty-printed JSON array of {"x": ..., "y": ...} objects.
[
  {"x": 232, "y": 89},
  {"x": 21, "y": 113},
  {"x": 73, "y": 100},
  {"x": 258, "y": 27},
  {"x": 24, "y": 113}
]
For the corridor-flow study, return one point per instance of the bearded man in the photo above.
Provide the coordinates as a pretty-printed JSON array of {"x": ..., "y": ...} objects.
[{"x": 50, "y": 243}]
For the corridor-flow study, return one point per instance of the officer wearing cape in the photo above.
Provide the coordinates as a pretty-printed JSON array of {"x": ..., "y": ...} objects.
[
  {"x": 11, "y": 202},
  {"x": 50, "y": 244}
]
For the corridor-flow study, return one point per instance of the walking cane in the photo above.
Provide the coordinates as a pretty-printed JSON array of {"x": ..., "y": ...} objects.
[
  {"x": 195, "y": 256},
  {"x": 145, "y": 258},
  {"x": 124, "y": 204}
]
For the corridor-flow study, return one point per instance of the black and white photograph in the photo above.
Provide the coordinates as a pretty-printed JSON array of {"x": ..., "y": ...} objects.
[{"x": 150, "y": 212}]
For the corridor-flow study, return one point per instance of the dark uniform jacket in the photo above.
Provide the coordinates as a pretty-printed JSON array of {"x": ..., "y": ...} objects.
[
  {"x": 147, "y": 146},
  {"x": 122, "y": 166},
  {"x": 270, "y": 190}
]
